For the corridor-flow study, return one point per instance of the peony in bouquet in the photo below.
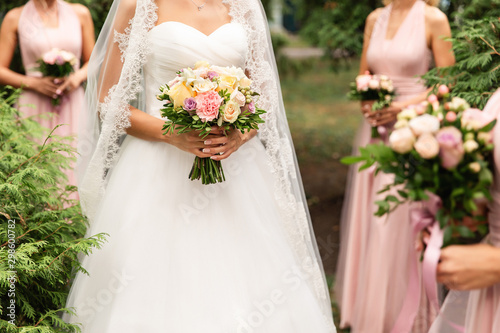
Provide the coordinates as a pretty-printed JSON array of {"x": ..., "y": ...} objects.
[
  {"x": 205, "y": 96},
  {"x": 56, "y": 63},
  {"x": 441, "y": 147},
  {"x": 378, "y": 89}
]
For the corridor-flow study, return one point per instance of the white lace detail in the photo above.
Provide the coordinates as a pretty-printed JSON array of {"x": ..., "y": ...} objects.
[{"x": 278, "y": 144}]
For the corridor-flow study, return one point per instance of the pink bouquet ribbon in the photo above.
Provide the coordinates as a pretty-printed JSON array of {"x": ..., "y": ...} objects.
[{"x": 420, "y": 219}]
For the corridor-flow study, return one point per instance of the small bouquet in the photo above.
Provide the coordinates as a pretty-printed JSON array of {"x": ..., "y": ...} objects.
[
  {"x": 376, "y": 88},
  {"x": 197, "y": 99},
  {"x": 443, "y": 147},
  {"x": 56, "y": 63}
]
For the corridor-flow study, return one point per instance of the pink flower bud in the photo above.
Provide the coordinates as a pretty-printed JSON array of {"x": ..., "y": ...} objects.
[
  {"x": 443, "y": 90},
  {"x": 451, "y": 116},
  {"x": 432, "y": 98}
]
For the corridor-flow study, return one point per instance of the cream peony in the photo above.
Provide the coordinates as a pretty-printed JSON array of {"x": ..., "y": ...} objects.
[
  {"x": 475, "y": 167},
  {"x": 231, "y": 112},
  {"x": 427, "y": 146},
  {"x": 485, "y": 137},
  {"x": 425, "y": 123},
  {"x": 402, "y": 140},
  {"x": 401, "y": 123},
  {"x": 458, "y": 104},
  {"x": 245, "y": 82},
  {"x": 408, "y": 114},
  {"x": 373, "y": 84}
]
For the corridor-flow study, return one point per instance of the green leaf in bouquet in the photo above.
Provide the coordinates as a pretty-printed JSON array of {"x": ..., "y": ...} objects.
[
  {"x": 485, "y": 176},
  {"x": 464, "y": 231},
  {"x": 352, "y": 159},
  {"x": 385, "y": 189},
  {"x": 488, "y": 127},
  {"x": 457, "y": 192},
  {"x": 442, "y": 218},
  {"x": 447, "y": 236},
  {"x": 470, "y": 205},
  {"x": 383, "y": 208},
  {"x": 418, "y": 179},
  {"x": 392, "y": 198},
  {"x": 483, "y": 229},
  {"x": 403, "y": 194}
]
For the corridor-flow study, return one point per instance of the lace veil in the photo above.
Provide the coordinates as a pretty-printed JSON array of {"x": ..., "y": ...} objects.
[{"x": 115, "y": 81}]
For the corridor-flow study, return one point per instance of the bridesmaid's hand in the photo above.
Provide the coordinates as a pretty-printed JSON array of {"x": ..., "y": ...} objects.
[
  {"x": 45, "y": 85},
  {"x": 225, "y": 146},
  {"x": 70, "y": 83},
  {"x": 383, "y": 116},
  {"x": 468, "y": 267}
]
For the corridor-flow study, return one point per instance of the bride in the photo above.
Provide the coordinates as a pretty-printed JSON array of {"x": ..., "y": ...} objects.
[{"x": 182, "y": 257}]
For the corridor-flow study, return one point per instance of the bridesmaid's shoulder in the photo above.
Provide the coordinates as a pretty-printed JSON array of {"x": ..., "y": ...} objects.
[
  {"x": 434, "y": 16},
  {"x": 373, "y": 16},
  {"x": 12, "y": 17},
  {"x": 82, "y": 12}
]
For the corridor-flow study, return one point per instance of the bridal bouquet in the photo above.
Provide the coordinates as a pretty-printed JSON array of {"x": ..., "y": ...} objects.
[
  {"x": 56, "y": 63},
  {"x": 205, "y": 96},
  {"x": 376, "y": 88},
  {"x": 441, "y": 147}
]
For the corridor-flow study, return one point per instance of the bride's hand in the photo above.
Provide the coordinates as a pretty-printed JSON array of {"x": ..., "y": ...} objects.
[
  {"x": 227, "y": 145},
  {"x": 193, "y": 143}
]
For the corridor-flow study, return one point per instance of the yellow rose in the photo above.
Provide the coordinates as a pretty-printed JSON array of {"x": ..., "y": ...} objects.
[
  {"x": 227, "y": 83},
  {"x": 201, "y": 64},
  {"x": 231, "y": 112},
  {"x": 179, "y": 93}
]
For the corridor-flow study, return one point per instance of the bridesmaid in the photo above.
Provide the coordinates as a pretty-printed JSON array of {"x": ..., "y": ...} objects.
[
  {"x": 38, "y": 27},
  {"x": 475, "y": 267},
  {"x": 400, "y": 41}
]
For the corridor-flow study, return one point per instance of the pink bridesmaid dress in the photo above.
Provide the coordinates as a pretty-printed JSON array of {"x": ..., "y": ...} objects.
[
  {"x": 35, "y": 39},
  {"x": 478, "y": 311},
  {"x": 372, "y": 274}
]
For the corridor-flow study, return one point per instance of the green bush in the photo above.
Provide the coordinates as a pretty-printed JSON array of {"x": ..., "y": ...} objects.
[
  {"x": 476, "y": 74},
  {"x": 41, "y": 228}
]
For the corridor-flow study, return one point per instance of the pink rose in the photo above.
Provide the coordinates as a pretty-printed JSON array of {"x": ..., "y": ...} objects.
[
  {"x": 475, "y": 119},
  {"x": 207, "y": 105},
  {"x": 452, "y": 149},
  {"x": 49, "y": 58},
  {"x": 362, "y": 82},
  {"x": 427, "y": 146}
]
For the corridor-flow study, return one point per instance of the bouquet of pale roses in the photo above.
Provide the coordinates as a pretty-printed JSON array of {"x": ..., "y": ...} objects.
[
  {"x": 56, "y": 63},
  {"x": 205, "y": 96},
  {"x": 442, "y": 147},
  {"x": 378, "y": 89}
]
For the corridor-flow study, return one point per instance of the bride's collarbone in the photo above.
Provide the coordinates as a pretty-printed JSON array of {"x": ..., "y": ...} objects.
[{"x": 213, "y": 15}]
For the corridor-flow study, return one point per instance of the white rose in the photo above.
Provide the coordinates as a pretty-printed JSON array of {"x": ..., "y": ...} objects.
[
  {"x": 408, "y": 114},
  {"x": 239, "y": 98},
  {"x": 424, "y": 124},
  {"x": 385, "y": 85},
  {"x": 245, "y": 82},
  {"x": 427, "y": 146},
  {"x": 202, "y": 85},
  {"x": 231, "y": 112},
  {"x": 373, "y": 84},
  {"x": 470, "y": 146},
  {"x": 458, "y": 104},
  {"x": 401, "y": 123},
  {"x": 484, "y": 137},
  {"x": 188, "y": 75},
  {"x": 402, "y": 140}
]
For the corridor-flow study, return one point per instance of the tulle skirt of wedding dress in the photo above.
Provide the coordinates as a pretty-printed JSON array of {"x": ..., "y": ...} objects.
[{"x": 182, "y": 257}]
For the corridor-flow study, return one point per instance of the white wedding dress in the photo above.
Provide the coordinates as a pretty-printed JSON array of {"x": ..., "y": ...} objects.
[{"x": 183, "y": 257}]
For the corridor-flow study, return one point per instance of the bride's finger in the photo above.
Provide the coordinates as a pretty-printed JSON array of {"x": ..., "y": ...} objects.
[{"x": 217, "y": 140}]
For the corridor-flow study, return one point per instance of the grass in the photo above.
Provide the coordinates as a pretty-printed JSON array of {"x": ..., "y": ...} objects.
[
  {"x": 323, "y": 124},
  {"x": 322, "y": 120}
]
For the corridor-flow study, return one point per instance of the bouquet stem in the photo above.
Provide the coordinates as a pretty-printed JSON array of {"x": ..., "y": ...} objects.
[{"x": 208, "y": 170}]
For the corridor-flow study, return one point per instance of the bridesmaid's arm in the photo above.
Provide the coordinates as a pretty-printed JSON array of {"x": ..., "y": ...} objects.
[
  {"x": 8, "y": 43},
  {"x": 88, "y": 41},
  {"x": 468, "y": 267},
  {"x": 369, "y": 24},
  {"x": 437, "y": 32}
]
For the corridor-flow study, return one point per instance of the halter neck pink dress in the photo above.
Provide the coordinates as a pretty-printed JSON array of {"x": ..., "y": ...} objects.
[
  {"x": 372, "y": 273},
  {"x": 478, "y": 311},
  {"x": 34, "y": 40}
]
